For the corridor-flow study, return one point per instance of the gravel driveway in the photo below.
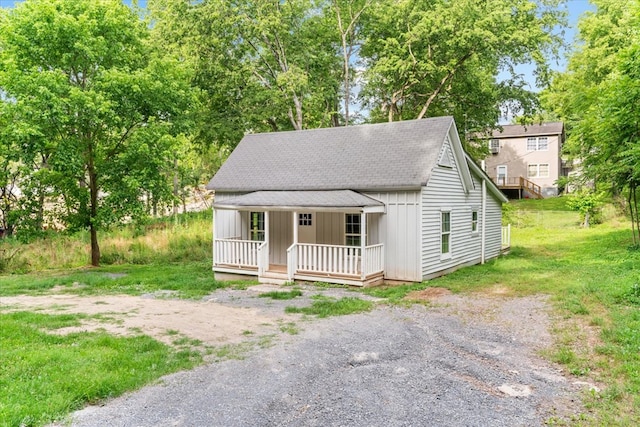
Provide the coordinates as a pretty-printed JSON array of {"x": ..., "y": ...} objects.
[{"x": 463, "y": 361}]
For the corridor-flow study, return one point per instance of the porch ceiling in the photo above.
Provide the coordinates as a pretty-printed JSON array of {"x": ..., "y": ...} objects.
[{"x": 334, "y": 200}]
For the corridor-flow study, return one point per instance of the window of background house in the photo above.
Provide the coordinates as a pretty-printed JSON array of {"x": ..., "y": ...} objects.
[
  {"x": 535, "y": 170},
  {"x": 445, "y": 233},
  {"x": 538, "y": 144},
  {"x": 352, "y": 230},
  {"x": 543, "y": 170},
  {"x": 543, "y": 143},
  {"x": 256, "y": 226},
  {"x": 305, "y": 219},
  {"x": 494, "y": 146}
]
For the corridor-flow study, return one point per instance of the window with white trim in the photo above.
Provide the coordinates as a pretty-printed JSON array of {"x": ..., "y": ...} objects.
[
  {"x": 474, "y": 221},
  {"x": 352, "y": 230},
  {"x": 305, "y": 219},
  {"x": 535, "y": 170},
  {"x": 445, "y": 233},
  {"x": 256, "y": 226},
  {"x": 494, "y": 146},
  {"x": 538, "y": 144}
]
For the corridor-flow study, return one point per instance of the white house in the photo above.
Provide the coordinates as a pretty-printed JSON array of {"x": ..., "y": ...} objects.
[{"x": 355, "y": 205}]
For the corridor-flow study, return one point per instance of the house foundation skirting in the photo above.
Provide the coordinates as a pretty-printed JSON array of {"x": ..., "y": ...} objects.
[{"x": 231, "y": 274}]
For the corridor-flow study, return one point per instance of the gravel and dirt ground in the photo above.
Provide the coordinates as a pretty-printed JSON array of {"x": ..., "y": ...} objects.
[{"x": 456, "y": 361}]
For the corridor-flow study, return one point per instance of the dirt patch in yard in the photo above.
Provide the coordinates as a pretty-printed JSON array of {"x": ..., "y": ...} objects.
[
  {"x": 164, "y": 319},
  {"x": 429, "y": 294}
]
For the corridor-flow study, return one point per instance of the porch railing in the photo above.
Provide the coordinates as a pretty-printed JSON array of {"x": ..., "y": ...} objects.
[
  {"x": 373, "y": 259},
  {"x": 334, "y": 259},
  {"x": 506, "y": 237},
  {"x": 238, "y": 253}
]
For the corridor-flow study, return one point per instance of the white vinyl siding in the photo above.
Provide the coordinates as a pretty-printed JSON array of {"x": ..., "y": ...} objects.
[{"x": 445, "y": 192}]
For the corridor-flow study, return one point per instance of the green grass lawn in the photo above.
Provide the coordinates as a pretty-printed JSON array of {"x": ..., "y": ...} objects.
[
  {"x": 189, "y": 280},
  {"x": 592, "y": 277},
  {"x": 44, "y": 376}
]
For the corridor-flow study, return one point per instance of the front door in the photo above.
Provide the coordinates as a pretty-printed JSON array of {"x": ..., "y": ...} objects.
[
  {"x": 306, "y": 228},
  {"x": 502, "y": 175}
]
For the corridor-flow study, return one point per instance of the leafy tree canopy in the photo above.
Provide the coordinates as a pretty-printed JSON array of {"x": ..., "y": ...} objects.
[
  {"x": 96, "y": 103},
  {"x": 598, "y": 97}
]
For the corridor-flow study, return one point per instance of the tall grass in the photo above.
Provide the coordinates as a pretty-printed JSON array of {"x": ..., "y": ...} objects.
[{"x": 186, "y": 238}]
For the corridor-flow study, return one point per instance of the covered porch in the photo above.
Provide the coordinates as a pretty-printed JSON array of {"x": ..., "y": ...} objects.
[{"x": 283, "y": 236}]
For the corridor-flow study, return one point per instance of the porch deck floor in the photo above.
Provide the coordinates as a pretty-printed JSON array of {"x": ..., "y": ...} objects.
[{"x": 277, "y": 268}]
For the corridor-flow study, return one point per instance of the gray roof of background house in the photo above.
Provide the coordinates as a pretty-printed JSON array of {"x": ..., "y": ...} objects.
[
  {"x": 367, "y": 157},
  {"x": 513, "y": 131},
  {"x": 309, "y": 199}
]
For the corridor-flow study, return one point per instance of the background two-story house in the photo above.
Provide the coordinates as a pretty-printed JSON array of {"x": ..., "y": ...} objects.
[{"x": 525, "y": 161}]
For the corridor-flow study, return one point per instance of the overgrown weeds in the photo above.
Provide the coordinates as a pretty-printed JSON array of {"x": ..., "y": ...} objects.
[{"x": 185, "y": 238}]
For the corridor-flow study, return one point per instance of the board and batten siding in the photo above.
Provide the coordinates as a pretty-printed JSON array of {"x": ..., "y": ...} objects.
[
  {"x": 280, "y": 236},
  {"x": 445, "y": 192},
  {"x": 399, "y": 230},
  {"x": 227, "y": 224}
]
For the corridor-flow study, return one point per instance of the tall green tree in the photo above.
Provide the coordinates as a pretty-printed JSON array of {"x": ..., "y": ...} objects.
[
  {"x": 598, "y": 97},
  {"x": 262, "y": 66},
  {"x": 434, "y": 57},
  {"x": 85, "y": 79},
  {"x": 9, "y": 169}
]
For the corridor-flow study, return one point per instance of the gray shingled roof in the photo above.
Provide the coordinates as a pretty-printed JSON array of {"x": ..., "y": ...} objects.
[
  {"x": 307, "y": 199},
  {"x": 512, "y": 131},
  {"x": 366, "y": 157}
]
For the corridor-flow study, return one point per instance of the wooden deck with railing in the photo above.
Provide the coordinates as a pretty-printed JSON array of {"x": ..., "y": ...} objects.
[{"x": 518, "y": 183}]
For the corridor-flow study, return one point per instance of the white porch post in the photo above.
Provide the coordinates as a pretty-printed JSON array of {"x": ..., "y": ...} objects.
[
  {"x": 266, "y": 239},
  {"x": 213, "y": 231},
  {"x": 363, "y": 243},
  {"x": 295, "y": 227},
  {"x": 292, "y": 261}
]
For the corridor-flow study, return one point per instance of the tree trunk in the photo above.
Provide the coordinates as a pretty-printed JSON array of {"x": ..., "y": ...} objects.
[
  {"x": 635, "y": 217},
  {"x": 347, "y": 88},
  {"x": 631, "y": 214},
  {"x": 175, "y": 186},
  {"x": 93, "y": 210}
]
